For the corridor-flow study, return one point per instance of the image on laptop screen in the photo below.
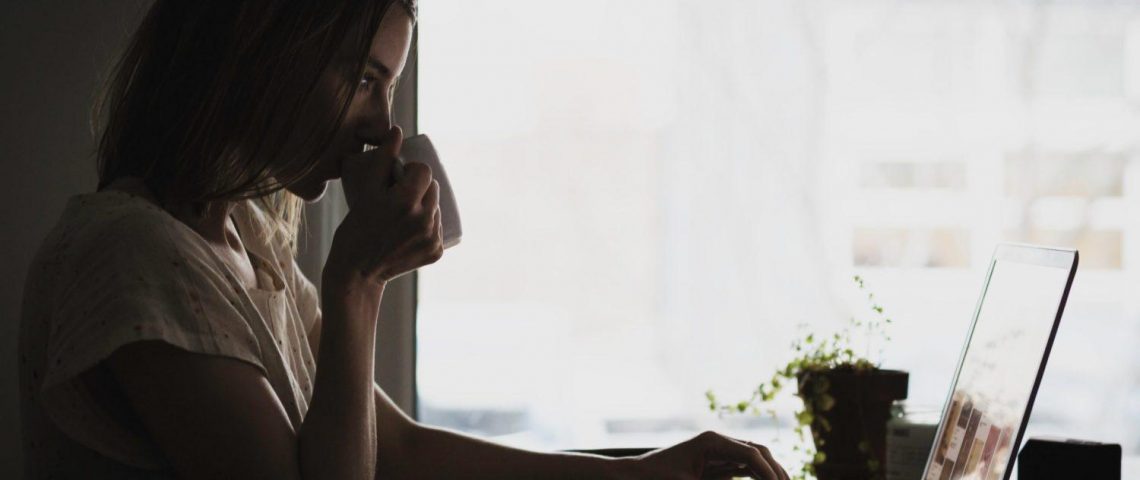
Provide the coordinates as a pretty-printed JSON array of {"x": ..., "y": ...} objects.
[{"x": 1001, "y": 363}]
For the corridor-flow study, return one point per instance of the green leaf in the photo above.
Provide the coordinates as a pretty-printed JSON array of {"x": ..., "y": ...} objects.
[
  {"x": 822, "y": 385},
  {"x": 711, "y": 397},
  {"x": 825, "y": 402}
]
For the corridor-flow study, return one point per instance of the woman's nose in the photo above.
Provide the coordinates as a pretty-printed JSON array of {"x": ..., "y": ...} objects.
[{"x": 376, "y": 124}]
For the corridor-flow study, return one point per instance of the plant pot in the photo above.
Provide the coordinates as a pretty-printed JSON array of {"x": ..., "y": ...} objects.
[{"x": 850, "y": 429}]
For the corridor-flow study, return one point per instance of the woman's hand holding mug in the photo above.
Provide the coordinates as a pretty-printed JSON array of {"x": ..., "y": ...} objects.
[{"x": 393, "y": 224}]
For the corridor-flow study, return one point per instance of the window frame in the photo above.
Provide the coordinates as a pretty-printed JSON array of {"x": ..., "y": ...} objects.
[
  {"x": 395, "y": 367},
  {"x": 396, "y": 331}
]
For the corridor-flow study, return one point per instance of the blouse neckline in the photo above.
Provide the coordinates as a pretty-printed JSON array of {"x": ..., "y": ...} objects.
[{"x": 263, "y": 268}]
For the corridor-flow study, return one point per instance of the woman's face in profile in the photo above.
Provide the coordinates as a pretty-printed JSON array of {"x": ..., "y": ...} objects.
[{"x": 369, "y": 114}]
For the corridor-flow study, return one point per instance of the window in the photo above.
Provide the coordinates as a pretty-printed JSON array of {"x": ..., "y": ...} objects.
[{"x": 658, "y": 193}]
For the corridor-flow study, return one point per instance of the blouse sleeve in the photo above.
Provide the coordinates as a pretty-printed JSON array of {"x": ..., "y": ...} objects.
[{"x": 138, "y": 279}]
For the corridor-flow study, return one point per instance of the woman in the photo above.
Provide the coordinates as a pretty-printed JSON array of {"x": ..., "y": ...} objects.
[{"x": 167, "y": 331}]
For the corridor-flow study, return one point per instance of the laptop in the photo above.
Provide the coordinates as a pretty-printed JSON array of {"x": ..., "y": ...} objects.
[{"x": 1002, "y": 363}]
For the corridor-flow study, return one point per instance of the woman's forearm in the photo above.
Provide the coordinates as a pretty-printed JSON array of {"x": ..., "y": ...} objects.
[
  {"x": 338, "y": 436},
  {"x": 433, "y": 453}
]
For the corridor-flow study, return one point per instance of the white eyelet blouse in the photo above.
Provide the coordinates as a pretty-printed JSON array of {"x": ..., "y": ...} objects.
[{"x": 118, "y": 269}]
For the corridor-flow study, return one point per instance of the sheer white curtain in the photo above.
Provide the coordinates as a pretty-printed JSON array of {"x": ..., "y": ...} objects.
[{"x": 657, "y": 192}]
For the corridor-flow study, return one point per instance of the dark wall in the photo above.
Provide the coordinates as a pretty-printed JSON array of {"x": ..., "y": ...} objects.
[{"x": 53, "y": 57}]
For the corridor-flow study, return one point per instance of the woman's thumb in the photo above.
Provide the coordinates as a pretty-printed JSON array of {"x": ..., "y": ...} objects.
[{"x": 393, "y": 141}]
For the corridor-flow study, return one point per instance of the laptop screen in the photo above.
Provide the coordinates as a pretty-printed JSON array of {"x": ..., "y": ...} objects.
[{"x": 1001, "y": 364}]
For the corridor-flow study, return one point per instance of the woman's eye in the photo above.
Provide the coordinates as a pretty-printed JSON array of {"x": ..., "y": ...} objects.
[{"x": 368, "y": 82}]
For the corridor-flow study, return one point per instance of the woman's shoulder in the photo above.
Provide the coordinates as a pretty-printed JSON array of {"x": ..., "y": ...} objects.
[
  {"x": 114, "y": 230},
  {"x": 118, "y": 220}
]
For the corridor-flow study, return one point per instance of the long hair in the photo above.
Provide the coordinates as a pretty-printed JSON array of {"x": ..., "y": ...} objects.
[{"x": 205, "y": 103}]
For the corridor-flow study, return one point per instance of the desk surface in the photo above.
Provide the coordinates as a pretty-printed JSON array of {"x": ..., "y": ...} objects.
[{"x": 1129, "y": 465}]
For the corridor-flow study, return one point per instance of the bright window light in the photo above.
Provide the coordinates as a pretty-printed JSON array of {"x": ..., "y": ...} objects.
[{"x": 658, "y": 196}]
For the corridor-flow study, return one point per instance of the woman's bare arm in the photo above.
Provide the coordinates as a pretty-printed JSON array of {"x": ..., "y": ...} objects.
[
  {"x": 411, "y": 450},
  {"x": 408, "y": 449},
  {"x": 342, "y": 409},
  {"x": 219, "y": 417},
  {"x": 210, "y": 416}
]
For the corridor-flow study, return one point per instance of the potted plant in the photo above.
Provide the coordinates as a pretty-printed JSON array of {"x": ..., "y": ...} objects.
[{"x": 846, "y": 399}]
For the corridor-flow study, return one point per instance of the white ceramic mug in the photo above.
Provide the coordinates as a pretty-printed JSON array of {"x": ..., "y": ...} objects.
[{"x": 419, "y": 148}]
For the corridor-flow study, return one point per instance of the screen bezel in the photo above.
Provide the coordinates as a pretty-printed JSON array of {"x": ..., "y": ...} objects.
[{"x": 1027, "y": 254}]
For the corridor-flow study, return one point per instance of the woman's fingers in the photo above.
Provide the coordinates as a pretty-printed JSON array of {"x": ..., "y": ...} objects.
[
  {"x": 724, "y": 448},
  {"x": 417, "y": 179},
  {"x": 726, "y": 471},
  {"x": 366, "y": 174},
  {"x": 438, "y": 232},
  {"x": 356, "y": 174},
  {"x": 429, "y": 208},
  {"x": 771, "y": 461},
  {"x": 390, "y": 148},
  {"x": 430, "y": 201},
  {"x": 437, "y": 250},
  {"x": 394, "y": 223}
]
